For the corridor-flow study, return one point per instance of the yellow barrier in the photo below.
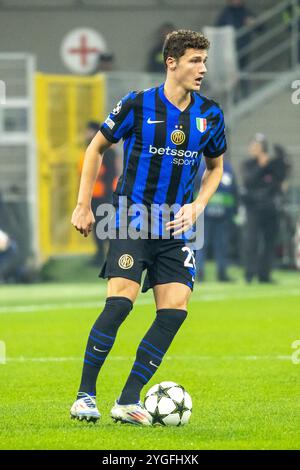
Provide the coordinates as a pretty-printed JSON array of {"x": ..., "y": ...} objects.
[{"x": 64, "y": 105}]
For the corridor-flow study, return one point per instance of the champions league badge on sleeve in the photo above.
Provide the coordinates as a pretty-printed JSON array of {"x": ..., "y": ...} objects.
[{"x": 117, "y": 109}]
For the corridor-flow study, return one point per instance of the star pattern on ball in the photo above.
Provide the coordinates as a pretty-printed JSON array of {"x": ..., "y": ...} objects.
[
  {"x": 157, "y": 417},
  {"x": 173, "y": 411},
  {"x": 163, "y": 392},
  {"x": 180, "y": 408}
]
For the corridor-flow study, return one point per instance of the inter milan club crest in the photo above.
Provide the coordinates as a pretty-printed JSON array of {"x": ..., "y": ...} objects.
[
  {"x": 126, "y": 261},
  {"x": 178, "y": 136},
  {"x": 201, "y": 124}
]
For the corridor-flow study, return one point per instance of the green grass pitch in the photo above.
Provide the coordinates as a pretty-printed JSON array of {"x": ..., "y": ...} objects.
[{"x": 233, "y": 355}]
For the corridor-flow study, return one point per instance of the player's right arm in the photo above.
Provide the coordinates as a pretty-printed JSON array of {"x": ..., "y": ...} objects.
[
  {"x": 83, "y": 217},
  {"x": 118, "y": 124}
]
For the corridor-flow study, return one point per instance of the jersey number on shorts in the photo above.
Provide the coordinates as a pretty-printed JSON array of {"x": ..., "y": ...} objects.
[{"x": 189, "y": 261}]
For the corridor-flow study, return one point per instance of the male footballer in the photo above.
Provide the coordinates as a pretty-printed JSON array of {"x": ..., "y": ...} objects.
[{"x": 165, "y": 132}]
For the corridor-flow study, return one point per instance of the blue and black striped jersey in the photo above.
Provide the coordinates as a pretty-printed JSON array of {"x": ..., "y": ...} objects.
[{"x": 163, "y": 145}]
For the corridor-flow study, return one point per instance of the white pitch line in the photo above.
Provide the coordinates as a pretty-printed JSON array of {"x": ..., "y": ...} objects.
[
  {"x": 147, "y": 301},
  {"x": 46, "y": 307},
  {"x": 22, "y": 359}
]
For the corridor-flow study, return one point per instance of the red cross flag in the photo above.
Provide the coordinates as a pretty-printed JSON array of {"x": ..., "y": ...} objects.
[{"x": 80, "y": 49}]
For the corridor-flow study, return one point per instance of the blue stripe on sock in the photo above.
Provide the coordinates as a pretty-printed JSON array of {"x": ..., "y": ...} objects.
[
  {"x": 150, "y": 352},
  {"x": 156, "y": 349},
  {"x": 96, "y": 357},
  {"x": 144, "y": 367},
  {"x": 100, "y": 342},
  {"x": 90, "y": 363},
  {"x": 102, "y": 334},
  {"x": 141, "y": 375}
]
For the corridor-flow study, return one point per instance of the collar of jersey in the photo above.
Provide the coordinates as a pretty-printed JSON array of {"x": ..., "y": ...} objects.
[{"x": 171, "y": 105}]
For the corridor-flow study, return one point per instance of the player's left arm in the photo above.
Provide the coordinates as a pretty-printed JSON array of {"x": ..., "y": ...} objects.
[
  {"x": 210, "y": 181},
  {"x": 188, "y": 214}
]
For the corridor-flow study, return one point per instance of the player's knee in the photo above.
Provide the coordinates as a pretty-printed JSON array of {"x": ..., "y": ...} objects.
[
  {"x": 122, "y": 287},
  {"x": 171, "y": 317},
  {"x": 173, "y": 298},
  {"x": 116, "y": 309},
  {"x": 175, "y": 304}
]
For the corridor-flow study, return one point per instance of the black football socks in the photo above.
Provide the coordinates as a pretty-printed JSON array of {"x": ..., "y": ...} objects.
[
  {"x": 151, "y": 352},
  {"x": 101, "y": 340}
]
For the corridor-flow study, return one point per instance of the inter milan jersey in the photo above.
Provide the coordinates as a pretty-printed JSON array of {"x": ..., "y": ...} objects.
[{"x": 163, "y": 145}]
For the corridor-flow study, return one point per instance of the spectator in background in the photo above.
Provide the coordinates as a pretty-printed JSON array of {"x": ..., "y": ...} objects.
[
  {"x": 14, "y": 252},
  {"x": 104, "y": 187},
  {"x": 8, "y": 249},
  {"x": 237, "y": 15},
  {"x": 155, "y": 58},
  {"x": 263, "y": 179},
  {"x": 218, "y": 223}
]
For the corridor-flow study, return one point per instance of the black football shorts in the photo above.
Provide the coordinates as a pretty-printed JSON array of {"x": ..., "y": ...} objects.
[{"x": 166, "y": 260}]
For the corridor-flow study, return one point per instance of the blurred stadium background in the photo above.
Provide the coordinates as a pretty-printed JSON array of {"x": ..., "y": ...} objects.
[
  {"x": 47, "y": 106},
  {"x": 49, "y": 94}
]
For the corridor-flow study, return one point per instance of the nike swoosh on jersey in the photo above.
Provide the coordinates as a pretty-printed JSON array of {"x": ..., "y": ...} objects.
[
  {"x": 152, "y": 364},
  {"x": 100, "y": 350},
  {"x": 153, "y": 122}
]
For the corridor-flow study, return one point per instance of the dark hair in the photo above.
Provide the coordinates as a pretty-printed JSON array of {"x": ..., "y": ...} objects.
[
  {"x": 177, "y": 42},
  {"x": 106, "y": 57}
]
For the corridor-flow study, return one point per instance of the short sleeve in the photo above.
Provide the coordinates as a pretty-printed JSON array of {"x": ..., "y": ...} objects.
[
  {"x": 216, "y": 145},
  {"x": 120, "y": 121}
]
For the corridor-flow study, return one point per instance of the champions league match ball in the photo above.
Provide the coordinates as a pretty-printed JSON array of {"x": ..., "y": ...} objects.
[{"x": 169, "y": 404}]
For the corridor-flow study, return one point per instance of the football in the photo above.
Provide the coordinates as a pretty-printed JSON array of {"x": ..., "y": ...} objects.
[{"x": 169, "y": 404}]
